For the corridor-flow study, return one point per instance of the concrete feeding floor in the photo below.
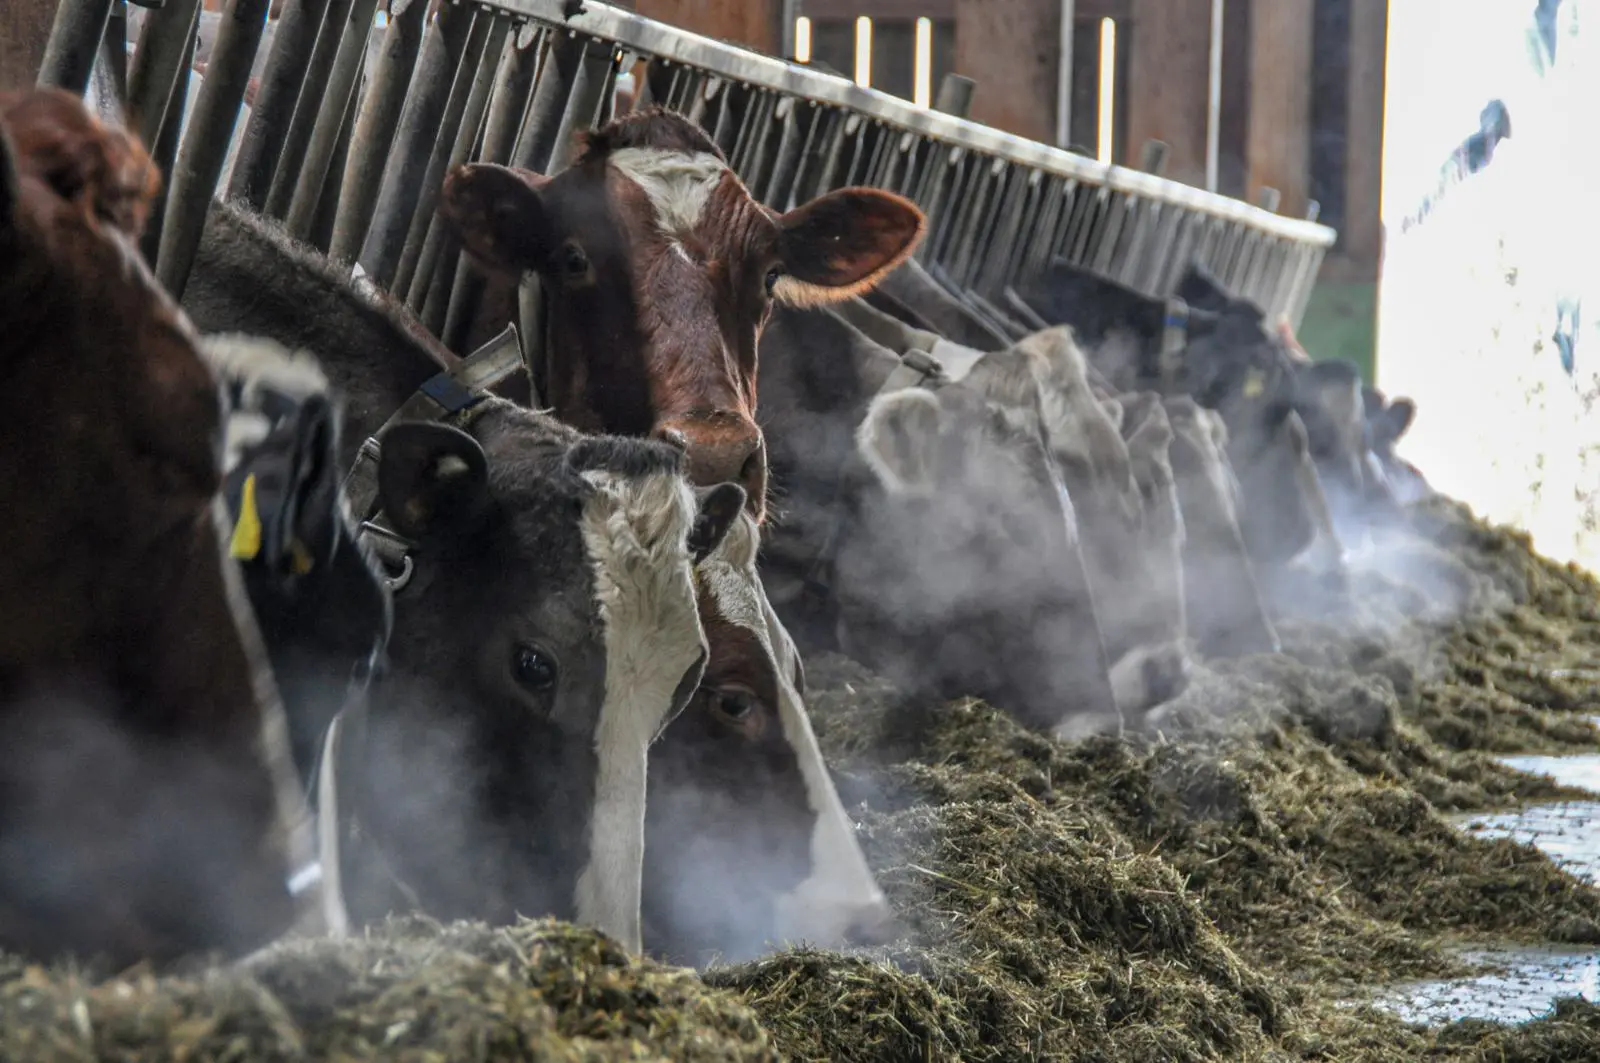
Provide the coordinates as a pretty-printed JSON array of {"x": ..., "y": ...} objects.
[{"x": 1525, "y": 980}]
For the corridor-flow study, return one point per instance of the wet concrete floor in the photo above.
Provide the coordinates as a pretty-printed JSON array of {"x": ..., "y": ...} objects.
[{"x": 1523, "y": 981}]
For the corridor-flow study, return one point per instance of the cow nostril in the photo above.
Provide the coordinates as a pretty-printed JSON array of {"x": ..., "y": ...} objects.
[{"x": 750, "y": 471}]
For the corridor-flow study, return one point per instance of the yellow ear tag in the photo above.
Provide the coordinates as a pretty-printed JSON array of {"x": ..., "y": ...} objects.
[
  {"x": 246, "y": 543},
  {"x": 1253, "y": 384},
  {"x": 300, "y": 560}
]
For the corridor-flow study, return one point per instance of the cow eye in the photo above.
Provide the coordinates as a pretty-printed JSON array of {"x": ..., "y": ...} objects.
[
  {"x": 736, "y": 705},
  {"x": 772, "y": 279},
  {"x": 574, "y": 261},
  {"x": 534, "y": 669}
]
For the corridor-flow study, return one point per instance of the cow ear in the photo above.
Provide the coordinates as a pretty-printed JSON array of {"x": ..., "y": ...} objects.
[
  {"x": 717, "y": 508},
  {"x": 498, "y": 214},
  {"x": 314, "y": 479},
  {"x": 1200, "y": 288},
  {"x": 898, "y": 439},
  {"x": 843, "y": 243},
  {"x": 433, "y": 481},
  {"x": 1397, "y": 417}
]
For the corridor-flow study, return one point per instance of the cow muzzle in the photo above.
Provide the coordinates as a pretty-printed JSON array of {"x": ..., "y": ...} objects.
[{"x": 722, "y": 447}]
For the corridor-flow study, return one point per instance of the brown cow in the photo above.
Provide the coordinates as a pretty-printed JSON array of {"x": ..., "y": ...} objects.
[
  {"x": 147, "y": 786},
  {"x": 661, "y": 272}
]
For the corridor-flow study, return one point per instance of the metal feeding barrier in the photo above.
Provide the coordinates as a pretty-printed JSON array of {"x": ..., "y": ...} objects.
[{"x": 356, "y": 170}]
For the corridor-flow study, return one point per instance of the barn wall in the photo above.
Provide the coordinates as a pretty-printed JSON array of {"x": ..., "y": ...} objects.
[{"x": 1480, "y": 316}]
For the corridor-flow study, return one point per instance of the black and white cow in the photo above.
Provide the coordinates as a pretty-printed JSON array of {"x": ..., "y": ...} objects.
[{"x": 545, "y": 633}]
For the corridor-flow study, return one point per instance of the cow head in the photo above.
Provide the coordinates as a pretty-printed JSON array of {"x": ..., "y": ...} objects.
[
  {"x": 747, "y": 843},
  {"x": 1225, "y": 614},
  {"x": 547, "y": 634},
  {"x": 961, "y": 572},
  {"x": 1217, "y": 351},
  {"x": 149, "y": 793},
  {"x": 1387, "y": 422},
  {"x": 661, "y": 270},
  {"x": 317, "y": 591}
]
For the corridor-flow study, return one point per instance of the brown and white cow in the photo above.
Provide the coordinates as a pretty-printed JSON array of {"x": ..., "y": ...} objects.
[
  {"x": 660, "y": 271},
  {"x": 149, "y": 792},
  {"x": 747, "y": 844}
]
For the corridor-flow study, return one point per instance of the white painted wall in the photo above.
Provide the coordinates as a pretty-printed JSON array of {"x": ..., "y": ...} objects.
[{"x": 1469, "y": 297}]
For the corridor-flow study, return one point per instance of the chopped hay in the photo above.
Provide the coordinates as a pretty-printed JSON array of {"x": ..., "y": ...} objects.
[
  {"x": 1211, "y": 893},
  {"x": 412, "y": 990}
]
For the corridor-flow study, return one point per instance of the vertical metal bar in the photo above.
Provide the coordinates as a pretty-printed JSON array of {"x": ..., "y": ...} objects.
[
  {"x": 413, "y": 144},
  {"x": 320, "y": 235},
  {"x": 826, "y": 129},
  {"x": 786, "y": 158},
  {"x": 165, "y": 43},
  {"x": 405, "y": 277},
  {"x": 164, "y": 149},
  {"x": 1214, "y": 96},
  {"x": 1064, "y": 75},
  {"x": 114, "y": 43},
  {"x": 583, "y": 104},
  {"x": 74, "y": 42},
  {"x": 308, "y": 100},
  {"x": 764, "y": 130},
  {"x": 517, "y": 68},
  {"x": 467, "y": 131},
  {"x": 288, "y": 65},
  {"x": 347, "y": 67},
  {"x": 557, "y": 76},
  {"x": 955, "y": 95},
  {"x": 205, "y": 145},
  {"x": 374, "y": 130}
]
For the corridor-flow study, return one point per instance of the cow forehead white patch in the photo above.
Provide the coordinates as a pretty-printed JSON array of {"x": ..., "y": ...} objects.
[
  {"x": 635, "y": 532},
  {"x": 678, "y": 183},
  {"x": 840, "y": 888}
]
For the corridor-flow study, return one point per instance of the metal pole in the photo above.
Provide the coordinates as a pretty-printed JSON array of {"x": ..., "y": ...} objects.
[
  {"x": 955, "y": 95},
  {"x": 1214, "y": 96},
  {"x": 165, "y": 43},
  {"x": 412, "y": 146},
  {"x": 346, "y": 73},
  {"x": 74, "y": 42},
  {"x": 1069, "y": 10},
  {"x": 164, "y": 148},
  {"x": 310, "y": 94},
  {"x": 374, "y": 131},
  {"x": 205, "y": 145},
  {"x": 265, "y": 135}
]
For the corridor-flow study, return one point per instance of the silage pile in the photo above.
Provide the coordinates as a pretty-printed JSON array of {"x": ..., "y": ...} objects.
[{"x": 1210, "y": 894}]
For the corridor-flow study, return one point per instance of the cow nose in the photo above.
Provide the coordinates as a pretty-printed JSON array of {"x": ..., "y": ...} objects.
[
  {"x": 872, "y": 924},
  {"x": 723, "y": 447}
]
